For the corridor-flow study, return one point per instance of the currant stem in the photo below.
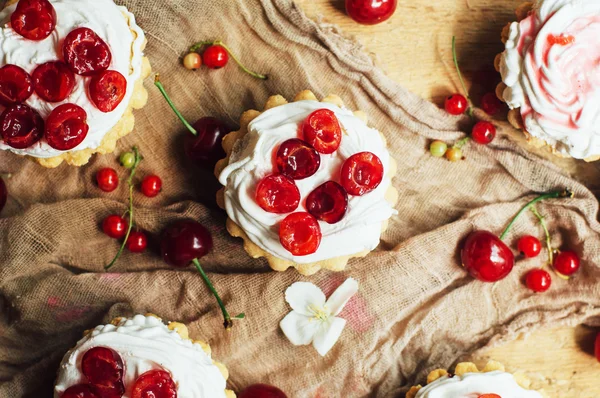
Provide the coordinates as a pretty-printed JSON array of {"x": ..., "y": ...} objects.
[
  {"x": 138, "y": 159},
  {"x": 548, "y": 242},
  {"x": 459, "y": 144},
  {"x": 462, "y": 82},
  {"x": 162, "y": 90},
  {"x": 227, "y": 320},
  {"x": 199, "y": 45},
  {"x": 552, "y": 195}
]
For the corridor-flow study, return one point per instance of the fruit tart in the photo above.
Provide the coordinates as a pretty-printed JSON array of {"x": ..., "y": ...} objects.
[
  {"x": 307, "y": 184},
  {"x": 469, "y": 382},
  {"x": 72, "y": 71},
  {"x": 550, "y": 75},
  {"x": 140, "y": 357}
]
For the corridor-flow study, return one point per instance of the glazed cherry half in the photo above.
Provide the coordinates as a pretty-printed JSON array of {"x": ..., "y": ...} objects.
[
  {"x": 154, "y": 384},
  {"x": 370, "y": 12},
  {"x": 102, "y": 366},
  {"x": 262, "y": 391},
  {"x": 322, "y": 130},
  {"x": 107, "y": 90},
  {"x": 85, "y": 52},
  {"x": 21, "y": 126},
  {"x": 328, "y": 202},
  {"x": 33, "y": 19},
  {"x": 277, "y": 193},
  {"x": 15, "y": 85},
  {"x": 66, "y": 127},
  {"x": 486, "y": 257},
  {"x": 54, "y": 81},
  {"x": 300, "y": 234},
  {"x": 361, "y": 173},
  {"x": 297, "y": 159},
  {"x": 80, "y": 391}
]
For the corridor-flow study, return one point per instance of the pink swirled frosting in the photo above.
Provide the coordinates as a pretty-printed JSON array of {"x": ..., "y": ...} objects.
[{"x": 551, "y": 67}]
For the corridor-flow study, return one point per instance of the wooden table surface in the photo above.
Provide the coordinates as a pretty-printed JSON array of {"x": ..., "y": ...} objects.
[{"x": 414, "y": 48}]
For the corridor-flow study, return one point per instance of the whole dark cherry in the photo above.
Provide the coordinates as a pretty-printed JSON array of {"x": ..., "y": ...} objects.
[
  {"x": 262, "y": 391},
  {"x": 3, "y": 194},
  {"x": 370, "y": 12},
  {"x": 486, "y": 257},
  {"x": 183, "y": 242}
]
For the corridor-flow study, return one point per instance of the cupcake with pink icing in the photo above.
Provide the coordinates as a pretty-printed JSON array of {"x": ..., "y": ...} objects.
[{"x": 551, "y": 75}]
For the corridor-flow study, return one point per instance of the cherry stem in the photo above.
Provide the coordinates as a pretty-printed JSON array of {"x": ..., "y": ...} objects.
[
  {"x": 138, "y": 159},
  {"x": 194, "y": 48},
  {"x": 227, "y": 320},
  {"x": 462, "y": 82},
  {"x": 548, "y": 242},
  {"x": 162, "y": 90},
  {"x": 552, "y": 195}
]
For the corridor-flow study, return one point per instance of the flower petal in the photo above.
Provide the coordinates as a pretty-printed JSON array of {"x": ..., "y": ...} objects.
[
  {"x": 328, "y": 334},
  {"x": 302, "y": 295},
  {"x": 298, "y": 328},
  {"x": 342, "y": 294}
]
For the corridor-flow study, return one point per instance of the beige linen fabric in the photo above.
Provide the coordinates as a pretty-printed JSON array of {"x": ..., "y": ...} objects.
[{"x": 416, "y": 310}]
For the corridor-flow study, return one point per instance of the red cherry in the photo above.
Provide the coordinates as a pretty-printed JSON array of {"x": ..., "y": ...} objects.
[
  {"x": 154, "y": 384},
  {"x": 215, "y": 57},
  {"x": 297, "y": 159},
  {"x": 322, "y": 130},
  {"x": 529, "y": 246},
  {"x": 205, "y": 149},
  {"x": 184, "y": 241},
  {"x": 538, "y": 280},
  {"x": 456, "y": 104},
  {"x": 107, "y": 90},
  {"x": 370, "y": 12},
  {"x": 79, "y": 391},
  {"x": 66, "y": 127},
  {"x": 566, "y": 263},
  {"x": 486, "y": 257},
  {"x": 137, "y": 242},
  {"x": 33, "y": 19},
  {"x": 21, "y": 126},
  {"x": 300, "y": 234},
  {"x": 361, "y": 173},
  {"x": 15, "y": 85},
  {"x": 115, "y": 226},
  {"x": 3, "y": 194},
  {"x": 262, "y": 391},
  {"x": 54, "y": 81},
  {"x": 328, "y": 202},
  {"x": 483, "y": 133},
  {"x": 491, "y": 104},
  {"x": 107, "y": 179},
  {"x": 151, "y": 186},
  {"x": 85, "y": 52},
  {"x": 102, "y": 366},
  {"x": 111, "y": 390},
  {"x": 597, "y": 347},
  {"x": 277, "y": 193}
]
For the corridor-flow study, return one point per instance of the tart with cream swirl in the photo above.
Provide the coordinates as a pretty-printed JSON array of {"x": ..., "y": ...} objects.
[{"x": 307, "y": 184}]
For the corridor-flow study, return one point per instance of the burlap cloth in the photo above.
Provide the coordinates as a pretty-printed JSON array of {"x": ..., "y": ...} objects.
[{"x": 416, "y": 309}]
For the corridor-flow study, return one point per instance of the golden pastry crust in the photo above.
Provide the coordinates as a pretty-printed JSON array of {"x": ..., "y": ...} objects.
[
  {"x": 469, "y": 367},
  {"x": 276, "y": 263}
]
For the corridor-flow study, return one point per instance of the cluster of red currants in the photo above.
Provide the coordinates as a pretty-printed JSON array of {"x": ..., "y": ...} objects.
[{"x": 84, "y": 53}]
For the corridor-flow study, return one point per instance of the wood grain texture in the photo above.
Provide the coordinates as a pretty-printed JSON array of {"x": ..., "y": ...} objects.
[{"x": 414, "y": 48}]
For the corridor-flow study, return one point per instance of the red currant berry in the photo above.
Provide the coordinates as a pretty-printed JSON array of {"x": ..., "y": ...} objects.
[
  {"x": 538, "y": 280},
  {"x": 529, "y": 246},
  {"x": 215, "y": 57},
  {"x": 322, "y": 130},
  {"x": 486, "y": 257},
  {"x": 21, "y": 126},
  {"x": 300, "y": 234},
  {"x": 361, "y": 173},
  {"x": 262, "y": 391},
  {"x": 80, "y": 391},
  {"x": 137, "y": 242},
  {"x": 151, "y": 186},
  {"x": 297, "y": 159},
  {"x": 277, "y": 193},
  {"x": 54, "y": 81},
  {"x": 15, "y": 85},
  {"x": 66, "y": 127},
  {"x": 184, "y": 241},
  {"x": 155, "y": 384},
  {"x": 3, "y": 194},
  {"x": 107, "y": 179},
  {"x": 102, "y": 366},
  {"x": 328, "y": 202},
  {"x": 597, "y": 347},
  {"x": 85, "y": 52},
  {"x": 566, "y": 263},
  {"x": 115, "y": 226},
  {"x": 456, "y": 104},
  {"x": 491, "y": 104},
  {"x": 483, "y": 133},
  {"x": 33, "y": 19},
  {"x": 370, "y": 12},
  {"x": 107, "y": 90}
]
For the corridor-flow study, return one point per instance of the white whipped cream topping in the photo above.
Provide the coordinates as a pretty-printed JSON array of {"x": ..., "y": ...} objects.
[
  {"x": 557, "y": 85},
  {"x": 114, "y": 24},
  {"x": 252, "y": 159},
  {"x": 145, "y": 343},
  {"x": 472, "y": 385}
]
